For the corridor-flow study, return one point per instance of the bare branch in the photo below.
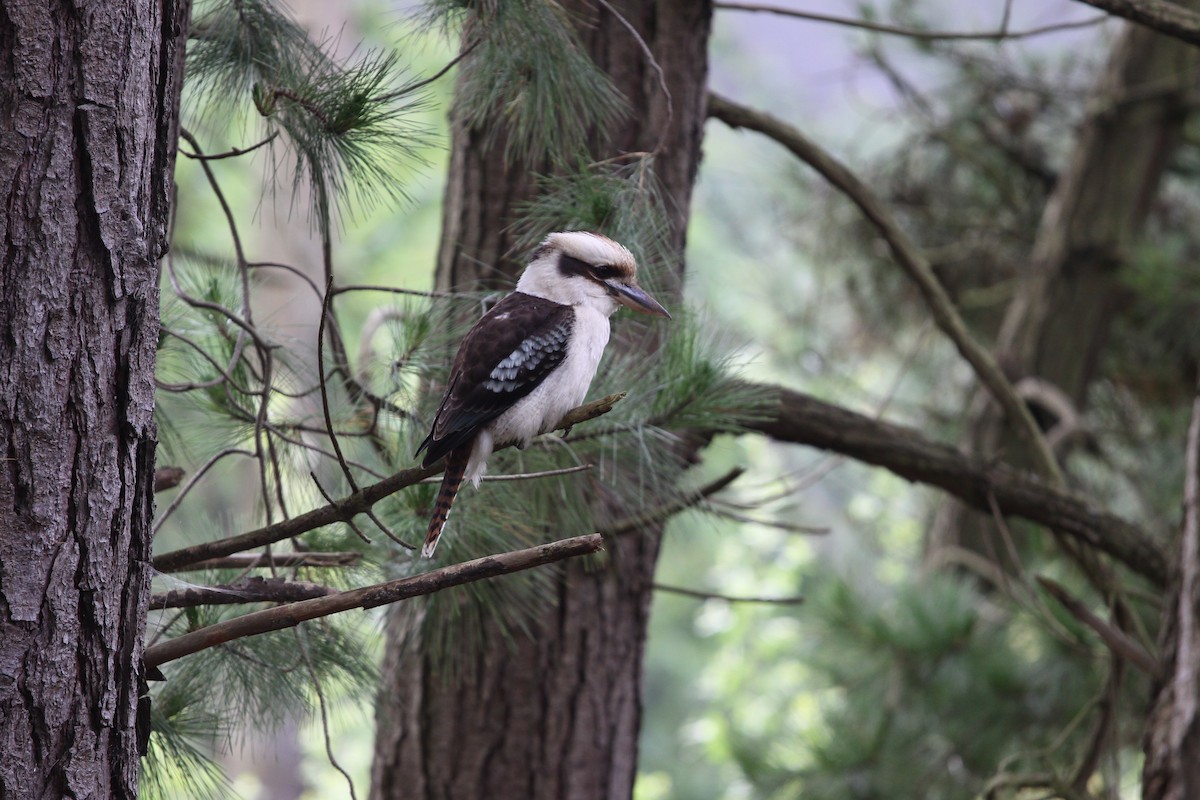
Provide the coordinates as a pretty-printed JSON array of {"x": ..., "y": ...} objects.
[
  {"x": 341, "y": 511},
  {"x": 232, "y": 152},
  {"x": 1164, "y": 17},
  {"x": 1000, "y": 34},
  {"x": 167, "y": 478},
  {"x": 668, "y": 510},
  {"x": 801, "y": 419},
  {"x": 320, "y": 691},
  {"x": 326, "y": 311},
  {"x": 247, "y": 590},
  {"x": 786, "y": 601},
  {"x": 247, "y": 561},
  {"x": 1114, "y": 638},
  {"x": 909, "y": 256},
  {"x": 1170, "y": 744},
  {"x": 292, "y": 614},
  {"x": 526, "y": 476},
  {"x": 175, "y": 501}
]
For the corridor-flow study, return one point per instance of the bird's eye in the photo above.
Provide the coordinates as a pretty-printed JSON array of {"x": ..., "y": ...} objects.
[{"x": 604, "y": 271}]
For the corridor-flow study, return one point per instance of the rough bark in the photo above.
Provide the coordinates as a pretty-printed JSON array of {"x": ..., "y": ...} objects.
[
  {"x": 88, "y": 117},
  {"x": 555, "y": 714},
  {"x": 1166, "y": 16},
  {"x": 1058, "y": 324}
]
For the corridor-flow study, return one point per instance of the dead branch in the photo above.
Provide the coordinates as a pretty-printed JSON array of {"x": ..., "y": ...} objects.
[
  {"x": 1171, "y": 19},
  {"x": 341, "y": 511},
  {"x": 244, "y": 561},
  {"x": 292, "y": 614},
  {"x": 247, "y": 590},
  {"x": 802, "y": 419},
  {"x": 167, "y": 478}
]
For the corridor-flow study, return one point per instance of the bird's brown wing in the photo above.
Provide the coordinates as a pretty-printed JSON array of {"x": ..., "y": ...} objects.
[{"x": 508, "y": 353}]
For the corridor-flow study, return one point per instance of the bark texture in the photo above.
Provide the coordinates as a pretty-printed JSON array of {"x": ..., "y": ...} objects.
[
  {"x": 1058, "y": 324},
  {"x": 88, "y": 117},
  {"x": 555, "y": 714}
]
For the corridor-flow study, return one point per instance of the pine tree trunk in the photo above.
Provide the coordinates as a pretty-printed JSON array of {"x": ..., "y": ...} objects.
[
  {"x": 557, "y": 714},
  {"x": 88, "y": 116}
]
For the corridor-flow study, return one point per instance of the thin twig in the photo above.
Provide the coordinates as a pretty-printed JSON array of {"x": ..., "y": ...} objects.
[
  {"x": 1000, "y": 34},
  {"x": 292, "y": 614},
  {"x": 778, "y": 524},
  {"x": 1165, "y": 17},
  {"x": 672, "y": 508},
  {"x": 187, "y": 487},
  {"x": 412, "y": 87},
  {"x": 247, "y": 561},
  {"x": 525, "y": 476},
  {"x": 365, "y": 287},
  {"x": 224, "y": 374},
  {"x": 913, "y": 261},
  {"x": 231, "y": 153},
  {"x": 316, "y": 679},
  {"x": 347, "y": 508},
  {"x": 1119, "y": 642},
  {"x": 665, "y": 128},
  {"x": 333, "y": 439},
  {"x": 329, "y": 499},
  {"x": 785, "y": 601}
]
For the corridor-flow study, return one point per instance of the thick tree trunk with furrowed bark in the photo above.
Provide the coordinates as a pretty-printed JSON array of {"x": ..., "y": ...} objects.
[
  {"x": 555, "y": 714},
  {"x": 89, "y": 99}
]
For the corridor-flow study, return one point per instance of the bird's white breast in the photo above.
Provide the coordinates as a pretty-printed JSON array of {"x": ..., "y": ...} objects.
[{"x": 563, "y": 389}]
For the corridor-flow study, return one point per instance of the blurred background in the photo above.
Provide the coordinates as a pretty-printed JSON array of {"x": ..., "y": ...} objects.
[{"x": 836, "y": 642}]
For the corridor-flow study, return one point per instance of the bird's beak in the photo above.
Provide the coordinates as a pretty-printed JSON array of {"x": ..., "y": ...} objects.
[{"x": 632, "y": 295}]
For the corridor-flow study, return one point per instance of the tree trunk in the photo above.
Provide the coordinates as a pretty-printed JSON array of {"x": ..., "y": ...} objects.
[
  {"x": 555, "y": 714},
  {"x": 1057, "y": 325},
  {"x": 88, "y": 120}
]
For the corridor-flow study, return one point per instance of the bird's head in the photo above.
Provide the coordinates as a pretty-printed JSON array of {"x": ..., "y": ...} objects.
[{"x": 580, "y": 268}]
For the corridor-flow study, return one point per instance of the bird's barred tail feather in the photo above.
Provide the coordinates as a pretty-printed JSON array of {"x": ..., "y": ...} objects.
[{"x": 456, "y": 467}]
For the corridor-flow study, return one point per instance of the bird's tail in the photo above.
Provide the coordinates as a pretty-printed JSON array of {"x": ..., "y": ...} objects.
[{"x": 456, "y": 467}]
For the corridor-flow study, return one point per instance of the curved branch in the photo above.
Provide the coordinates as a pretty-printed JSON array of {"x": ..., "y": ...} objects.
[
  {"x": 1171, "y": 19},
  {"x": 1000, "y": 34},
  {"x": 909, "y": 257}
]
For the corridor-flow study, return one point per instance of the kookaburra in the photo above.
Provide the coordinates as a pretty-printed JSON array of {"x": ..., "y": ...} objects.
[{"x": 530, "y": 360}]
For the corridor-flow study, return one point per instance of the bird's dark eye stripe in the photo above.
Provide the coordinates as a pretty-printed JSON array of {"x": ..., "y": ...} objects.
[
  {"x": 573, "y": 266},
  {"x": 568, "y": 265},
  {"x": 604, "y": 271}
]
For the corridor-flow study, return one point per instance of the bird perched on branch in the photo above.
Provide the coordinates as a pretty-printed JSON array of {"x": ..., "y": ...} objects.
[{"x": 530, "y": 360}]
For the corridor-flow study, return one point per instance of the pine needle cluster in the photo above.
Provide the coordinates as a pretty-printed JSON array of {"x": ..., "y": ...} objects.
[
  {"x": 528, "y": 77},
  {"x": 349, "y": 129}
]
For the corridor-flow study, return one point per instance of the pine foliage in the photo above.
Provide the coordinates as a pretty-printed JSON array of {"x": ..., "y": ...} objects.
[
  {"x": 528, "y": 77},
  {"x": 348, "y": 132}
]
